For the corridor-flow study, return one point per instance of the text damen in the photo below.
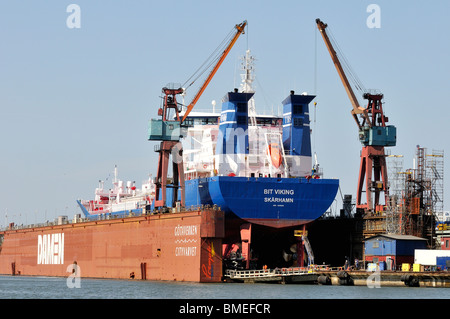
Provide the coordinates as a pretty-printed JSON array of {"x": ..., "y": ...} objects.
[{"x": 50, "y": 249}]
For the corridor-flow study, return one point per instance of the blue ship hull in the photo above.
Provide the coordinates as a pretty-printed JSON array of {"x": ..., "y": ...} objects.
[{"x": 273, "y": 202}]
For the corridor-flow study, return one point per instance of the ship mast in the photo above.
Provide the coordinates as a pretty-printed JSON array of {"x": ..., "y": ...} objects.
[{"x": 246, "y": 84}]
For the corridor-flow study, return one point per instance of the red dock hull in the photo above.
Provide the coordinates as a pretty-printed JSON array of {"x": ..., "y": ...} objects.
[{"x": 177, "y": 246}]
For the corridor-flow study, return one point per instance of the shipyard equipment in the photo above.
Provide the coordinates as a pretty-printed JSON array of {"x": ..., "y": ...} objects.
[
  {"x": 169, "y": 132},
  {"x": 374, "y": 135}
]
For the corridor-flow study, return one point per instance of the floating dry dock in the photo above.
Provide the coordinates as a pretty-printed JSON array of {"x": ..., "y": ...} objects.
[
  {"x": 179, "y": 246},
  {"x": 342, "y": 278}
]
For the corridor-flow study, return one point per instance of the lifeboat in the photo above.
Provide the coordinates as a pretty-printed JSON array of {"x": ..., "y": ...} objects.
[{"x": 275, "y": 154}]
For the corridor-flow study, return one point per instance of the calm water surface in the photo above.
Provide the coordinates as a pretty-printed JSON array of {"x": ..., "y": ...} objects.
[{"x": 56, "y": 288}]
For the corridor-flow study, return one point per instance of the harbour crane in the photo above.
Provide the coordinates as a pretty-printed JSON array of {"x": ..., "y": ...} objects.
[
  {"x": 374, "y": 136},
  {"x": 169, "y": 132}
]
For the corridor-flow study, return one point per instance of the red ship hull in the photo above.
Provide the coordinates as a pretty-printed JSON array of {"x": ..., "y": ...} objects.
[{"x": 182, "y": 246}]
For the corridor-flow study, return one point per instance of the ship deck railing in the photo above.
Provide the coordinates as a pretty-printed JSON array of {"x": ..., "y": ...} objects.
[
  {"x": 13, "y": 226},
  {"x": 265, "y": 273},
  {"x": 100, "y": 217}
]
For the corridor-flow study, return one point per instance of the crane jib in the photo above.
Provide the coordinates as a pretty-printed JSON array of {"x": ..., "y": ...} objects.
[
  {"x": 240, "y": 29},
  {"x": 357, "y": 109}
]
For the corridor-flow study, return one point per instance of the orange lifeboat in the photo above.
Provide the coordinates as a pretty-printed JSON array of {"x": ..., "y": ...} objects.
[{"x": 275, "y": 154}]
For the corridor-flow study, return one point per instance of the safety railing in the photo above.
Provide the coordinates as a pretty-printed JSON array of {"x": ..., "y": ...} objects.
[{"x": 266, "y": 273}]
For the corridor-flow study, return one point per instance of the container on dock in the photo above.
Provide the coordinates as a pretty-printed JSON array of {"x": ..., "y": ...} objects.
[
  {"x": 372, "y": 267},
  {"x": 417, "y": 267},
  {"x": 428, "y": 257},
  {"x": 443, "y": 263}
]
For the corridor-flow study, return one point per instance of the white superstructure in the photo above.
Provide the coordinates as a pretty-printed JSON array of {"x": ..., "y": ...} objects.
[
  {"x": 266, "y": 155},
  {"x": 122, "y": 196}
]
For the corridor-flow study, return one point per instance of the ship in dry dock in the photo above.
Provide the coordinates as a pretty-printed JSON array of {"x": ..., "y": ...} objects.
[{"x": 234, "y": 203}]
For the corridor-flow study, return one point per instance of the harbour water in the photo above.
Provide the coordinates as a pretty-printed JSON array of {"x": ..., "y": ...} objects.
[{"x": 23, "y": 287}]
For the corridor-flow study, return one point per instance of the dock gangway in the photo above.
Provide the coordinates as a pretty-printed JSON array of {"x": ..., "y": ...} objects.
[{"x": 277, "y": 274}]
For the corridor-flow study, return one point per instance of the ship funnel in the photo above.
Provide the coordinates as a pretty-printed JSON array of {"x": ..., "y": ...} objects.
[
  {"x": 232, "y": 141},
  {"x": 297, "y": 134}
]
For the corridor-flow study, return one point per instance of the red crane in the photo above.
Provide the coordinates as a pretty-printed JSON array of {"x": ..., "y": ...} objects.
[
  {"x": 169, "y": 132},
  {"x": 374, "y": 135}
]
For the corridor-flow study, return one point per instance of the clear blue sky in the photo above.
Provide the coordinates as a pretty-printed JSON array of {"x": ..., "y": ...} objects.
[{"x": 76, "y": 102}]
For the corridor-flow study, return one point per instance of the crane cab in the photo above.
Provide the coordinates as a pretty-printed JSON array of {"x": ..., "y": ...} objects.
[
  {"x": 378, "y": 135},
  {"x": 160, "y": 130}
]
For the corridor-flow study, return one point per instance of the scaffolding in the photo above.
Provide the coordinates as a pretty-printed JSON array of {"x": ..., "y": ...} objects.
[
  {"x": 423, "y": 195},
  {"x": 387, "y": 219},
  {"x": 393, "y": 206},
  {"x": 435, "y": 167},
  {"x": 416, "y": 196},
  {"x": 395, "y": 176}
]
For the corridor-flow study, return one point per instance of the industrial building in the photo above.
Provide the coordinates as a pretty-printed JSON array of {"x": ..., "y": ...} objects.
[{"x": 390, "y": 251}]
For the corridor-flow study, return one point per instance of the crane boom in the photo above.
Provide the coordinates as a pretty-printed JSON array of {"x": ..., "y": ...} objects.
[
  {"x": 239, "y": 31},
  {"x": 357, "y": 109}
]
